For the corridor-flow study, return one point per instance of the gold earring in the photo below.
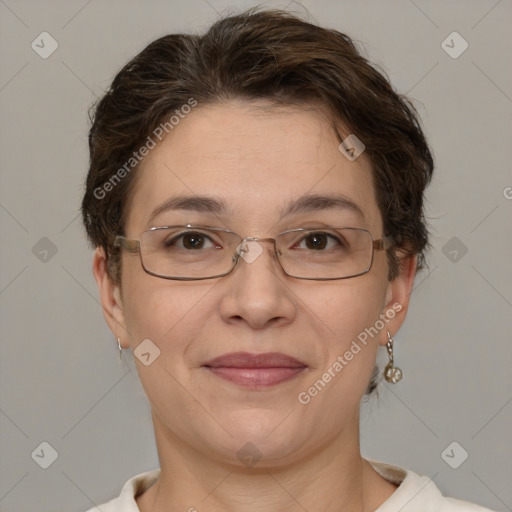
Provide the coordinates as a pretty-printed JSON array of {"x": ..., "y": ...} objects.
[{"x": 392, "y": 373}]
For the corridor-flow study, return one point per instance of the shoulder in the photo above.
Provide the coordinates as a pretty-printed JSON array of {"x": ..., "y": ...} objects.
[
  {"x": 417, "y": 493},
  {"x": 125, "y": 502}
]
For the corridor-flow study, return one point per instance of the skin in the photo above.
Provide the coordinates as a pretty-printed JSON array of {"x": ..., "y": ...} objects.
[{"x": 256, "y": 160}]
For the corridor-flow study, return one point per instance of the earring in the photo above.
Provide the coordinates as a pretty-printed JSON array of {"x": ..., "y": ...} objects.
[
  {"x": 120, "y": 348},
  {"x": 392, "y": 373}
]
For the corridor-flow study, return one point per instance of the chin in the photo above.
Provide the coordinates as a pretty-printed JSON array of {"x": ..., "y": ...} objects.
[
  {"x": 261, "y": 437},
  {"x": 259, "y": 454}
]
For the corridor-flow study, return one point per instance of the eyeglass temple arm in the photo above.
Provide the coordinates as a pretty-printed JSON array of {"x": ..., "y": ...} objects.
[
  {"x": 383, "y": 243},
  {"x": 127, "y": 243}
]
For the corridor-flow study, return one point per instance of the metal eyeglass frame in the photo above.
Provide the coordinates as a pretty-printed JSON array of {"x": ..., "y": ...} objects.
[{"x": 133, "y": 245}]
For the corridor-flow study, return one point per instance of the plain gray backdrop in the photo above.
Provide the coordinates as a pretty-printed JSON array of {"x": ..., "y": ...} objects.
[{"x": 61, "y": 379}]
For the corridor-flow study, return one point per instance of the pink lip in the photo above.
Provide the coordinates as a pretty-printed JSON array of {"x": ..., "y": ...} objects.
[{"x": 255, "y": 371}]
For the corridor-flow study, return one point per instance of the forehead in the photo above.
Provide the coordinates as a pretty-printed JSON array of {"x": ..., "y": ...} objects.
[{"x": 257, "y": 161}]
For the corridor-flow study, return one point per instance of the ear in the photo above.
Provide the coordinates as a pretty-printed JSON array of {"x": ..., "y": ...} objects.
[
  {"x": 398, "y": 295},
  {"x": 110, "y": 296}
]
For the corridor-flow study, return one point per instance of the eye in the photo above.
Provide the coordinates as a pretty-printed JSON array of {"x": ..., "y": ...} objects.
[
  {"x": 320, "y": 241},
  {"x": 190, "y": 241}
]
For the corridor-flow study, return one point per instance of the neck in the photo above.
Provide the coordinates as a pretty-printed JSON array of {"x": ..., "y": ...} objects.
[{"x": 334, "y": 479}]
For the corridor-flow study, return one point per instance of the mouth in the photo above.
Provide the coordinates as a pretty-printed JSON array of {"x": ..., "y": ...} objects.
[{"x": 255, "y": 371}]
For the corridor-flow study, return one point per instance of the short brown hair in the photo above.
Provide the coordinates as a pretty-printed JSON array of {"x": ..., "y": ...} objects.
[{"x": 266, "y": 55}]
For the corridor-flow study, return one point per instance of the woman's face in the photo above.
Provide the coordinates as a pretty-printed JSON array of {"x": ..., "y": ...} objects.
[{"x": 258, "y": 163}]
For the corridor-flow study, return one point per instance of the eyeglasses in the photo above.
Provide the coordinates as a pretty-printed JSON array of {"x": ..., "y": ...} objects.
[{"x": 187, "y": 253}]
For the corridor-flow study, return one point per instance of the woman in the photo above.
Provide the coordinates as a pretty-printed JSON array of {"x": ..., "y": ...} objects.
[{"x": 255, "y": 197}]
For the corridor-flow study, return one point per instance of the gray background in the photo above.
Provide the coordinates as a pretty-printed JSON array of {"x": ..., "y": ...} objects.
[{"x": 61, "y": 378}]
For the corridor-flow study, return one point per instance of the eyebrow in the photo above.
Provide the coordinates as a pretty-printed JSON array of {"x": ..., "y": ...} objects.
[
  {"x": 313, "y": 202},
  {"x": 217, "y": 206}
]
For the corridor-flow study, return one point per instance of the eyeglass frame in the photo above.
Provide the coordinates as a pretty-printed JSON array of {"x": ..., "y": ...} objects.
[{"x": 133, "y": 245}]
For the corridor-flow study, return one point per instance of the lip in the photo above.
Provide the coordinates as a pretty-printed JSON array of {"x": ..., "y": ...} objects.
[{"x": 255, "y": 371}]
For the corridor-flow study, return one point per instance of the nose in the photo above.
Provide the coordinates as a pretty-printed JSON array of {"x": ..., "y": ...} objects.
[{"x": 256, "y": 292}]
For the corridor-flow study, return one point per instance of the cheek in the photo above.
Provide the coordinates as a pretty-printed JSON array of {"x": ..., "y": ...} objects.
[
  {"x": 164, "y": 311},
  {"x": 344, "y": 311},
  {"x": 347, "y": 314},
  {"x": 345, "y": 308}
]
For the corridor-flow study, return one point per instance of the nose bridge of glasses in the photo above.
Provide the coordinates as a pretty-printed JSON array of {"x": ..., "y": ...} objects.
[
  {"x": 250, "y": 248},
  {"x": 255, "y": 239}
]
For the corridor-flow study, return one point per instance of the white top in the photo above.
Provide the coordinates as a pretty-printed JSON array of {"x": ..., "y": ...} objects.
[{"x": 414, "y": 494}]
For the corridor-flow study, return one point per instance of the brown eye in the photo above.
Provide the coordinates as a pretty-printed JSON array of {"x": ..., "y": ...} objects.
[
  {"x": 321, "y": 241},
  {"x": 316, "y": 241},
  {"x": 193, "y": 241},
  {"x": 189, "y": 241}
]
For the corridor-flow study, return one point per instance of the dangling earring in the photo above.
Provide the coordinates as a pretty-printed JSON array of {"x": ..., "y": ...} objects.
[
  {"x": 392, "y": 373},
  {"x": 120, "y": 348}
]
